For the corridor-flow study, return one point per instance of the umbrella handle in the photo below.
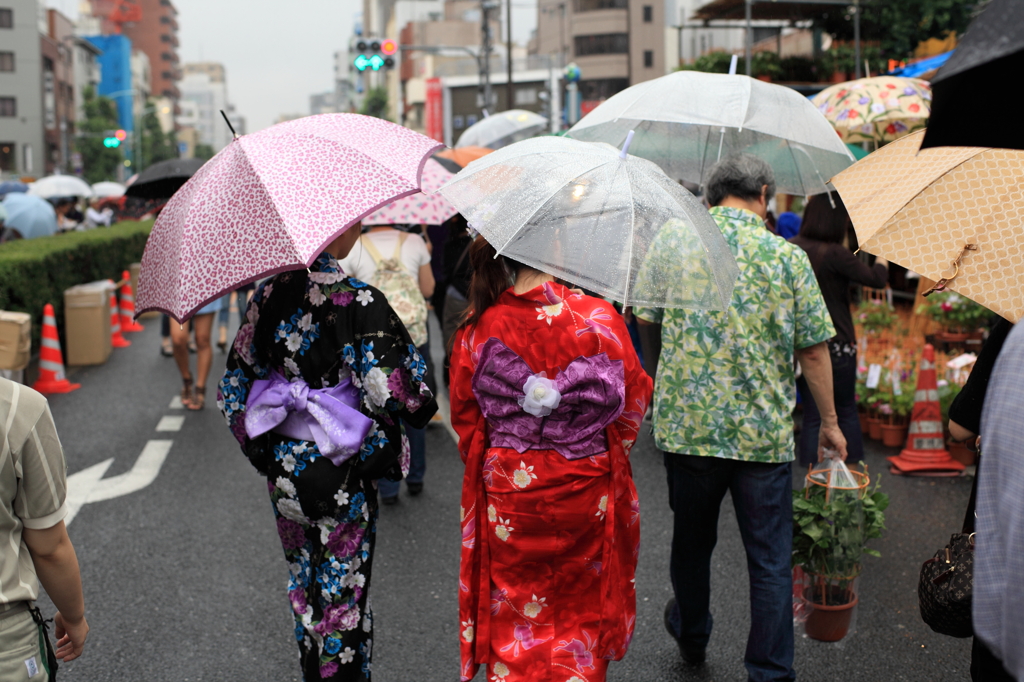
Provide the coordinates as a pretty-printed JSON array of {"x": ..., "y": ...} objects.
[{"x": 941, "y": 284}]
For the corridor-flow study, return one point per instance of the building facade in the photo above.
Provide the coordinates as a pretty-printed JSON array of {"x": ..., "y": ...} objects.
[
  {"x": 22, "y": 146},
  {"x": 86, "y": 65},
  {"x": 56, "y": 47},
  {"x": 116, "y": 76},
  {"x": 153, "y": 29},
  {"x": 204, "y": 85}
]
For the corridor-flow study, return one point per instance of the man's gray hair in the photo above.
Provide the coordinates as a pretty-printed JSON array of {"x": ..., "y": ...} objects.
[{"x": 741, "y": 176}]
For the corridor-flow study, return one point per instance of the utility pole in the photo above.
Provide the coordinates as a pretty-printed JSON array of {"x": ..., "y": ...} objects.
[
  {"x": 485, "y": 95},
  {"x": 509, "y": 89}
]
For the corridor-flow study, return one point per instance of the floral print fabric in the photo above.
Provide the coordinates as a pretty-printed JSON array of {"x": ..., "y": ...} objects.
[
  {"x": 879, "y": 109},
  {"x": 325, "y": 328},
  {"x": 726, "y": 384},
  {"x": 549, "y": 543}
]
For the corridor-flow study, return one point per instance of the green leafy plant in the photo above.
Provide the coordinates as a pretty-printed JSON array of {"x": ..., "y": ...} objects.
[
  {"x": 766, "y": 64},
  {"x": 799, "y": 69},
  {"x": 712, "y": 62},
  {"x": 947, "y": 392},
  {"x": 954, "y": 311},
  {"x": 831, "y": 529},
  {"x": 875, "y": 316}
]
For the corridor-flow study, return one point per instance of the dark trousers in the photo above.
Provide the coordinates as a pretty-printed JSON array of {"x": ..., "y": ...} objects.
[
  {"x": 762, "y": 496},
  {"x": 985, "y": 667},
  {"x": 417, "y": 439},
  {"x": 844, "y": 390}
]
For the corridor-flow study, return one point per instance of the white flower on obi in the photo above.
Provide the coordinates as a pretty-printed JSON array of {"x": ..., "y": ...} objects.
[
  {"x": 293, "y": 341},
  {"x": 541, "y": 395},
  {"x": 288, "y": 463},
  {"x": 316, "y": 297},
  {"x": 533, "y": 608},
  {"x": 523, "y": 475},
  {"x": 291, "y": 509},
  {"x": 364, "y": 297},
  {"x": 504, "y": 529},
  {"x": 305, "y": 322},
  {"x": 500, "y": 671},
  {"x": 341, "y": 497},
  {"x": 292, "y": 367},
  {"x": 346, "y": 656},
  {"x": 467, "y": 634},
  {"x": 285, "y": 486},
  {"x": 375, "y": 383},
  {"x": 549, "y": 312}
]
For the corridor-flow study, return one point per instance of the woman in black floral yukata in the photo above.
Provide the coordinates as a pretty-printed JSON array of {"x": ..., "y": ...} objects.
[{"x": 320, "y": 377}]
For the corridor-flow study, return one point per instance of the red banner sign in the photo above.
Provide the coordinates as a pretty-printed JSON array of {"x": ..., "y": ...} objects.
[{"x": 433, "y": 110}]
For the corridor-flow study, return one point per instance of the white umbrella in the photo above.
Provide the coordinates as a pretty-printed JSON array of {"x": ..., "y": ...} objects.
[
  {"x": 60, "y": 186},
  {"x": 688, "y": 120},
  {"x": 108, "y": 189},
  {"x": 594, "y": 216},
  {"x": 498, "y": 130}
]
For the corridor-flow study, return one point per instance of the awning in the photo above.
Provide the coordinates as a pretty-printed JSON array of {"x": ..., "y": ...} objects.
[{"x": 778, "y": 10}]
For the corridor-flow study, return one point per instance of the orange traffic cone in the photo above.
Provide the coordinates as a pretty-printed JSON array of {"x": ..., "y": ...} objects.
[
  {"x": 116, "y": 340},
  {"x": 128, "y": 323},
  {"x": 926, "y": 454},
  {"x": 51, "y": 360}
]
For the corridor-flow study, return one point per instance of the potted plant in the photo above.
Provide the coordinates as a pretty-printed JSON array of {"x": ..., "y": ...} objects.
[
  {"x": 959, "y": 316},
  {"x": 832, "y": 523},
  {"x": 864, "y": 400},
  {"x": 876, "y": 316},
  {"x": 896, "y": 418},
  {"x": 766, "y": 66}
]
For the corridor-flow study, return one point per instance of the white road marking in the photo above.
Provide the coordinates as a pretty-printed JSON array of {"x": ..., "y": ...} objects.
[
  {"x": 176, "y": 403},
  {"x": 170, "y": 424},
  {"x": 89, "y": 485}
]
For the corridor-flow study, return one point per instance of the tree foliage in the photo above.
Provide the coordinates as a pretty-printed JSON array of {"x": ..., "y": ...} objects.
[
  {"x": 376, "y": 103},
  {"x": 203, "y": 151},
  {"x": 156, "y": 145},
  {"x": 99, "y": 163}
]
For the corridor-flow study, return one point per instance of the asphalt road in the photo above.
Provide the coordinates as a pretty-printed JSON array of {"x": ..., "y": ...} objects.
[{"x": 184, "y": 578}]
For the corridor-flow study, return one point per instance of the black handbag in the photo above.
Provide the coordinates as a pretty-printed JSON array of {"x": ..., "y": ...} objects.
[{"x": 946, "y": 584}]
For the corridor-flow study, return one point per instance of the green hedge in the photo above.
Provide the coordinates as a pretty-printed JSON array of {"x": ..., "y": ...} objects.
[{"x": 34, "y": 272}]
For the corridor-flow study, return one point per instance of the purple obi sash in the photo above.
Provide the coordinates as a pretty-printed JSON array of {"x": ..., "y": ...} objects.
[
  {"x": 326, "y": 416},
  {"x": 527, "y": 411}
]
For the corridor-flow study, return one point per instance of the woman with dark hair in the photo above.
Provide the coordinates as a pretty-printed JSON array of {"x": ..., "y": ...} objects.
[
  {"x": 547, "y": 396},
  {"x": 822, "y": 234}
]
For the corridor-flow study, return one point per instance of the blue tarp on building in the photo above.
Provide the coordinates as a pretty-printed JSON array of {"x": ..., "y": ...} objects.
[
  {"x": 116, "y": 75},
  {"x": 922, "y": 67}
]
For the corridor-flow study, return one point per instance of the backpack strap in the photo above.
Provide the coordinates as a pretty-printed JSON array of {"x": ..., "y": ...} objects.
[
  {"x": 371, "y": 249},
  {"x": 398, "y": 247}
]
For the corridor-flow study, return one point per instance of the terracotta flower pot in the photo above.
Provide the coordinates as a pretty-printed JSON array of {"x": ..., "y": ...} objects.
[
  {"x": 894, "y": 435},
  {"x": 863, "y": 416},
  {"x": 830, "y": 623},
  {"x": 874, "y": 428},
  {"x": 838, "y": 77},
  {"x": 953, "y": 337}
]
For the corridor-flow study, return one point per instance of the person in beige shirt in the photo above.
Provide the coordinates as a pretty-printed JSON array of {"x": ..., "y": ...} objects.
[{"x": 33, "y": 486}]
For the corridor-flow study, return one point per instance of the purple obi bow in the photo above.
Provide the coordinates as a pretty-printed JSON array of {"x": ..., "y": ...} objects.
[
  {"x": 593, "y": 395},
  {"x": 327, "y": 416}
]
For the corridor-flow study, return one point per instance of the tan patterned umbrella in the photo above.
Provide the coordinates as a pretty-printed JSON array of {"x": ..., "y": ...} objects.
[{"x": 953, "y": 214}]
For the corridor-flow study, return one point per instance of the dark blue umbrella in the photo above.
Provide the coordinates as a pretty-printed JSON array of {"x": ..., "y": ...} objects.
[
  {"x": 30, "y": 215},
  {"x": 12, "y": 186}
]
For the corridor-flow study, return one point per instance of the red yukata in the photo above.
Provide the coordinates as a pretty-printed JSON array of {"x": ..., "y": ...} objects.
[{"x": 547, "y": 396}]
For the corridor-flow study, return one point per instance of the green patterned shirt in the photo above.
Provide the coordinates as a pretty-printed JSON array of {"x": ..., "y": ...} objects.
[{"x": 726, "y": 383}]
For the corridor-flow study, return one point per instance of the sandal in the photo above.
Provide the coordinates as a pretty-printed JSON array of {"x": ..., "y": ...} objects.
[
  {"x": 186, "y": 391},
  {"x": 198, "y": 401}
]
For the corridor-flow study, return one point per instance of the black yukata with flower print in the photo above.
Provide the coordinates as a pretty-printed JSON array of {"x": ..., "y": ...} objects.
[{"x": 318, "y": 329}]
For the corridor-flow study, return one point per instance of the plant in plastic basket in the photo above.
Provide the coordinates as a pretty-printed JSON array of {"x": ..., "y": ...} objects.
[
  {"x": 875, "y": 316},
  {"x": 834, "y": 517},
  {"x": 954, "y": 312}
]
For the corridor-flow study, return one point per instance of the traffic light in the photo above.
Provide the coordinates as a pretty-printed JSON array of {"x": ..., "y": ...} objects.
[
  {"x": 114, "y": 139},
  {"x": 375, "y": 54}
]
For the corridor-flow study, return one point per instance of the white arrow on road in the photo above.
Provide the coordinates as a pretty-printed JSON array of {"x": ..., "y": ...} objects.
[{"x": 88, "y": 485}]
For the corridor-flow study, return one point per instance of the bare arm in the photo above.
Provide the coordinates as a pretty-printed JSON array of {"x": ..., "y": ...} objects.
[
  {"x": 57, "y": 567},
  {"x": 959, "y": 432},
  {"x": 426, "y": 281},
  {"x": 817, "y": 369}
]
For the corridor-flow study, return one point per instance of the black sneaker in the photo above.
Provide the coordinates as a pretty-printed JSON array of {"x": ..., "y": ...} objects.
[
  {"x": 414, "y": 488},
  {"x": 692, "y": 655}
]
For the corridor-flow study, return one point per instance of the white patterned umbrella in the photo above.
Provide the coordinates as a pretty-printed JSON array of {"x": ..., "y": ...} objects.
[
  {"x": 60, "y": 186},
  {"x": 271, "y": 201}
]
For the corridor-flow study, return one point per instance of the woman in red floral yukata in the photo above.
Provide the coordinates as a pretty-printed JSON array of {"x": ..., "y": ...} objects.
[{"x": 547, "y": 398}]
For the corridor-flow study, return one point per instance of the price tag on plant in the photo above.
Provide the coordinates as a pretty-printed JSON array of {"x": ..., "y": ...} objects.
[
  {"x": 874, "y": 375},
  {"x": 896, "y": 388}
]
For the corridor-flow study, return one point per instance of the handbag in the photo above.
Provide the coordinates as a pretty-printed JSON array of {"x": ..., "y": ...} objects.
[{"x": 946, "y": 583}]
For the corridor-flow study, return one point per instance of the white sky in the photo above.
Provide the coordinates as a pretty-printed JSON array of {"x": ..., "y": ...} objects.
[{"x": 276, "y": 53}]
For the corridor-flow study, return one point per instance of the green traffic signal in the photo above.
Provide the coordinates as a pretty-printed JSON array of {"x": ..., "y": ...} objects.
[
  {"x": 111, "y": 142},
  {"x": 364, "y": 62}
]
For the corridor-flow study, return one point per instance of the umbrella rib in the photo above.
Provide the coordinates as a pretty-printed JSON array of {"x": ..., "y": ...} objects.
[
  {"x": 632, "y": 223},
  {"x": 799, "y": 173}
]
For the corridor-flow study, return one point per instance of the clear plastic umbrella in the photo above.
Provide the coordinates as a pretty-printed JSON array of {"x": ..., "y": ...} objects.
[
  {"x": 108, "y": 189},
  {"x": 498, "y": 130},
  {"x": 688, "y": 120},
  {"x": 600, "y": 219},
  {"x": 60, "y": 186}
]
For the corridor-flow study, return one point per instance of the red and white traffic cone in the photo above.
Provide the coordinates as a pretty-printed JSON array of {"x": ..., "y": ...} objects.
[
  {"x": 128, "y": 323},
  {"x": 925, "y": 453},
  {"x": 51, "y": 359},
  {"x": 116, "y": 340}
]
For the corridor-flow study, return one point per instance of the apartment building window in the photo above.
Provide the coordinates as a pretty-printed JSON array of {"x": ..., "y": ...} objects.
[
  {"x": 607, "y": 43},
  {"x": 6, "y": 61},
  {"x": 648, "y": 59},
  {"x": 591, "y": 5},
  {"x": 648, "y": 14},
  {"x": 6, "y": 18},
  {"x": 7, "y": 156},
  {"x": 8, "y": 107}
]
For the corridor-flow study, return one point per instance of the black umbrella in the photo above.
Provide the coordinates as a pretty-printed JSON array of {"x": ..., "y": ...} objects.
[
  {"x": 163, "y": 179},
  {"x": 447, "y": 164},
  {"x": 972, "y": 92}
]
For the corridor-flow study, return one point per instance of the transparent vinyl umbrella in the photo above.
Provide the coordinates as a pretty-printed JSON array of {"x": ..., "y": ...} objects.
[
  {"x": 596, "y": 217},
  {"x": 686, "y": 121},
  {"x": 498, "y": 130}
]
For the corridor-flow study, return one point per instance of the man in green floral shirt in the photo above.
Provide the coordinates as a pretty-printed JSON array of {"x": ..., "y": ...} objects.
[{"x": 724, "y": 393}]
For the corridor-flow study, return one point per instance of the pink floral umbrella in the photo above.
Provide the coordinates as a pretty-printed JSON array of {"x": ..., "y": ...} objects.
[
  {"x": 271, "y": 201},
  {"x": 423, "y": 208}
]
